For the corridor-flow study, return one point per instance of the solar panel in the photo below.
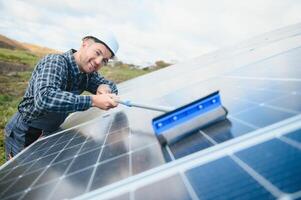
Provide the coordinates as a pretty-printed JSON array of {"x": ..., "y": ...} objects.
[
  {"x": 263, "y": 164},
  {"x": 210, "y": 181},
  {"x": 279, "y": 157},
  {"x": 296, "y": 136},
  {"x": 77, "y": 161},
  {"x": 116, "y": 155}
]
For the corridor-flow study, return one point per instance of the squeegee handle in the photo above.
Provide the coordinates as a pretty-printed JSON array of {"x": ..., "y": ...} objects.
[{"x": 145, "y": 106}]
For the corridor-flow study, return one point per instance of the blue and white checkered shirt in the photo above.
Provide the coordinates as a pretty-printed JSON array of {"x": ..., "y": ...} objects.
[{"x": 55, "y": 86}]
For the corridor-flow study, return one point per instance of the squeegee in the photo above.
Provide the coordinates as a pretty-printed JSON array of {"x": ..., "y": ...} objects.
[{"x": 177, "y": 123}]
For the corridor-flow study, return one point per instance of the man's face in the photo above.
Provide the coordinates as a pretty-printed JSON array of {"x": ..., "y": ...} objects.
[{"x": 93, "y": 56}]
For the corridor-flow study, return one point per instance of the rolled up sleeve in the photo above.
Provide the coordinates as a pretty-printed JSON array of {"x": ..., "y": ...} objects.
[{"x": 96, "y": 79}]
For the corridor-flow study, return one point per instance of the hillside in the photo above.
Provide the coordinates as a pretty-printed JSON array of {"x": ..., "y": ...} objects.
[
  {"x": 38, "y": 50},
  {"x": 8, "y": 43},
  {"x": 19, "y": 56}
]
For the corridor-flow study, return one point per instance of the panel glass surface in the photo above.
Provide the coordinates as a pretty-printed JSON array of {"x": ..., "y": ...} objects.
[
  {"x": 224, "y": 179},
  {"x": 296, "y": 135},
  {"x": 169, "y": 189},
  {"x": 79, "y": 161},
  {"x": 278, "y": 162}
]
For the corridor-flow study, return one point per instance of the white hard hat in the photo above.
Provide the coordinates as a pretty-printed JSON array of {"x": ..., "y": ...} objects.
[{"x": 108, "y": 39}]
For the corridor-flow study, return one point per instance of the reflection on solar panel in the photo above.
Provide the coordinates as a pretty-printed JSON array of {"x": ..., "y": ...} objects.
[{"x": 255, "y": 153}]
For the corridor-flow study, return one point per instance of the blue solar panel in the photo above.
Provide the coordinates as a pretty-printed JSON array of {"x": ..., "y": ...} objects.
[
  {"x": 66, "y": 188},
  {"x": 262, "y": 116},
  {"x": 267, "y": 170},
  {"x": 226, "y": 130},
  {"x": 224, "y": 179},
  {"x": 192, "y": 143},
  {"x": 278, "y": 162},
  {"x": 259, "y": 83},
  {"x": 295, "y": 135},
  {"x": 291, "y": 103},
  {"x": 103, "y": 172}
]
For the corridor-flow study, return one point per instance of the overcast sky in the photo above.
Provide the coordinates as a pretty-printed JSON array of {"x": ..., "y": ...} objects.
[{"x": 148, "y": 30}]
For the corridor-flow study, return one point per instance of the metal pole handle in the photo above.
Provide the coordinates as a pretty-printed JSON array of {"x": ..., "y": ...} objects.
[{"x": 145, "y": 106}]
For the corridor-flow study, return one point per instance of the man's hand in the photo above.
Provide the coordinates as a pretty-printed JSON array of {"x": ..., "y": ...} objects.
[
  {"x": 103, "y": 89},
  {"x": 104, "y": 101}
]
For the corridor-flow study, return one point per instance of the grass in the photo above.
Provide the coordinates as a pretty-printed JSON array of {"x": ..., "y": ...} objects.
[
  {"x": 18, "y": 57},
  {"x": 13, "y": 85},
  {"x": 119, "y": 74},
  {"x": 11, "y": 91}
]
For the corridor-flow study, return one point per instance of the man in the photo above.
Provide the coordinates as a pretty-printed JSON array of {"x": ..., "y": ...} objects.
[{"x": 55, "y": 87}]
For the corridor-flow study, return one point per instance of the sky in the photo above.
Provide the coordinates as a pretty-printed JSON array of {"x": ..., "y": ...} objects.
[{"x": 147, "y": 30}]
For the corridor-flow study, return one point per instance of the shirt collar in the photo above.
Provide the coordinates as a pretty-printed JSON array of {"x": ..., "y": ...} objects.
[{"x": 70, "y": 57}]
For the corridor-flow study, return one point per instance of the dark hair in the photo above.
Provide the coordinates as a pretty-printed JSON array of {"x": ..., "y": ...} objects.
[{"x": 93, "y": 38}]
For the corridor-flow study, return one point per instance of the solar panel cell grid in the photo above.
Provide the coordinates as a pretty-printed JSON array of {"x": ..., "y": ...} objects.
[
  {"x": 71, "y": 186},
  {"x": 226, "y": 130},
  {"x": 290, "y": 102},
  {"x": 276, "y": 161},
  {"x": 52, "y": 171},
  {"x": 43, "y": 162},
  {"x": 121, "y": 134},
  {"x": 40, "y": 192},
  {"x": 75, "y": 141},
  {"x": 115, "y": 149},
  {"x": 288, "y": 86},
  {"x": 140, "y": 140},
  {"x": 235, "y": 105},
  {"x": 212, "y": 181},
  {"x": 190, "y": 144},
  {"x": 66, "y": 154},
  {"x": 55, "y": 171},
  {"x": 147, "y": 158},
  {"x": 84, "y": 160},
  {"x": 258, "y": 96},
  {"x": 296, "y": 135},
  {"x": 261, "y": 116},
  {"x": 72, "y": 155},
  {"x": 20, "y": 184},
  {"x": 104, "y": 176},
  {"x": 90, "y": 145}
]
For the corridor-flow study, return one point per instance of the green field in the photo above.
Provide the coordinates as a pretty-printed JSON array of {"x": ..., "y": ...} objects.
[
  {"x": 14, "y": 83},
  {"x": 18, "y": 56}
]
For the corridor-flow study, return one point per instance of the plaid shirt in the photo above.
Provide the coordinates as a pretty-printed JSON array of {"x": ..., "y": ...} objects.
[{"x": 55, "y": 86}]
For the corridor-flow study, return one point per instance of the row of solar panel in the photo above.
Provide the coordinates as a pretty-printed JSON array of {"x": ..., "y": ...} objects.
[
  {"x": 226, "y": 178},
  {"x": 72, "y": 156},
  {"x": 222, "y": 132}
]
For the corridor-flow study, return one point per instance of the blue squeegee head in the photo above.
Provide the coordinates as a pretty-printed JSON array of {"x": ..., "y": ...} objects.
[{"x": 194, "y": 115}]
